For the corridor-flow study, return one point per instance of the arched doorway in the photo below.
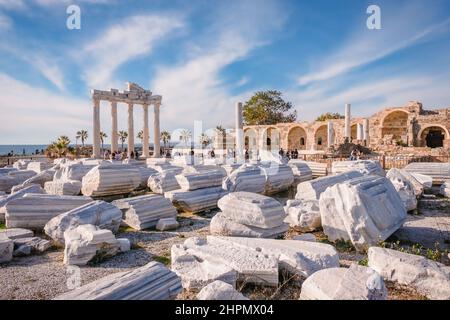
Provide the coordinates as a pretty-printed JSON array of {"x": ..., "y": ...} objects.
[
  {"x": 353, "y": 131},
  {"x": 395, "y": 126},
  {"x": 433, "y": 136},
  {"x": 297, "y": 138},
  {"x": 271, "y": 139},
  {"x": 321, "y": 137}
]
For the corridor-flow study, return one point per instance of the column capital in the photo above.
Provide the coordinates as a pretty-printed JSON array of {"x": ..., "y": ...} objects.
[{"x": 96, "y": 102}]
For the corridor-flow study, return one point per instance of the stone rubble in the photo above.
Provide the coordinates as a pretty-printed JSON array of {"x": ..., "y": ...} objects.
[
  {"x": 318, "y": 169},
  {"x": 18, "y": 194},
  {"x": 189, "y": 181},
  {"x": 35, "y": 210},
  {"x": 63, "y": 188},
  {"x": 219, "y": 290},
  {"x": 438, "y": 171},
  {"x": 150, "y": 282},
  {"x": 429, "y": 278},
  {"x": 406, "y": 193},
  {"x": 445, "y": 189},
  {"x": 25, "y": 246},
  {"x": 163, "y": 182},
  {"x": 16, "y": 233},
  {"x": 279, "y": 177},
  {"x": 6, "y": 250},
  {"x": 167, "y": 224},
  {"x": 302, "y": 172},
  {"x": 145, "y": 211},
  {"x": 303, "y": 215},
  {"x": 196, "y": 200},
  {"x": 305, "y": 237},
  {"x": 248, "y": 177},
  {"x": 38, "y": 166},
  {"x": 354, "y": 283},
  {"x": 406, "y": 178},
  {"x": 369, "y": 167},
  {"x": 364, "y": 210}
]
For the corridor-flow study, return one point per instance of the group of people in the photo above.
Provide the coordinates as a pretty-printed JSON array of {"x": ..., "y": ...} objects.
[
  {"x": 118, "y": 156},
  {"x": 290, "y": 154},
  {"x": 355, "y": 155}
]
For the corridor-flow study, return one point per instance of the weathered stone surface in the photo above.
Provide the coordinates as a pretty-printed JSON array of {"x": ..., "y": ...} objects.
[
  {"x": 252, "y": 209},
  {"x": 86, "y": 242},
  {"x": 302, "y": 172},
  {"x": 364, "y": 210},
  {"x": 370, "y": 167},
  {"x": 438, "y": 171},
  {"x": 13, "y": 178},
  {"x": 199, "y": 180},
  {"x": 229, "y": 168},
  {"x": 318, "y": 169},
  {"x": 219, "y": 290},
  {"x": 108, "y": 180},
  {"x": 250, "y": 264},
  {"x": 150, "y": 282},
  {"x": 41, "y": 178},
  {"x": 354, "y": 283},
  {"x": 300, "y": 257},
  {"x": 445, "y": 189},
  {"x": 38, "y": 166},
  {"x": 21, "y": 164},
  {"x": 15, "y": 233},
  {"x": 250, "y": 178},
  {"x": 145, "y": 173},
  {"x": 124, "y": 244},
  {"x": 305, "y": 237},
  {"x": 35, "y": 244},
  {"x": 428, "y": 277},
  {"x": 311, "y": 190},
  {"x": 7, "y": 182},
  {"x": 98, "y": 213},
  {"x": 31, "y": 188},
  {"x": 72, "y": 171},
  {"x": 304, "y": 215},
  {"x": 424, "y": 180},
  {"x": 35, "y": 210},
  {"x": 407, "y": 178},
  {"x": 223, "y": 226},
  {"x": 196, "y": 273},
  {"x": 63, "y": 187},
  {"x": 143, "y": 212},
  {"x": 6, "y": 250},
  {"x": 279, "y": 177},
  {"x": 167, "y": 224},
  {"x": 163, "y": 182},
  {"x": 196, "y": 200},
  {"x": 18, "y": 194},
  {"x": 406, "y": 194}
]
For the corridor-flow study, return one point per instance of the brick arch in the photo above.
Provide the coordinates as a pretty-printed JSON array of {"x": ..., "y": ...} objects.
[{"x": 296, "y": 138}]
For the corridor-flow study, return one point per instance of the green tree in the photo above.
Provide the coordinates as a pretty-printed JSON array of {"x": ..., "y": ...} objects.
[
  {"x": 204, "y": 139},
  {"x": 123, "y": 135},
  {"x": 220, "y": 133},
  {"x": 329, "y": 116},
  {"x": 268, "y": 107},
  {"x": 60, "y": 147},
  {"x": 82, "y": 135},
  {"x": 165, "y": 137}
]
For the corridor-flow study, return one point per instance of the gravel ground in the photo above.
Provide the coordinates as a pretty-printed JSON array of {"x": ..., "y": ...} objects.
[{"x": 44, "y": 276}]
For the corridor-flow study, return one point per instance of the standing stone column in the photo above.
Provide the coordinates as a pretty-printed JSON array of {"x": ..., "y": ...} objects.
[
  {"x": 157, "y": 132},
  {"x": 130, "y": 130},
  {"x": 239, "y": 126},
  {"x": 114, "y": 132},
  {"x": 145, "y": 151},
  {"x": 359, "y": 132},
  {"x": 347, "y": 128},
  {"x": 330, "y": 134},
  {"x": 366, "y": 132},
  {"x": 96, "y": 129}
]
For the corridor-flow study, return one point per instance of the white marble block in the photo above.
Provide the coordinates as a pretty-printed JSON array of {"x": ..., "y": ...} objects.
[
  {"x": 28, "y": 189},
  {"x": 438, "y": 171},
  {"x": 405, "y": 192},
  {"x": 144, "y": 212},
  {"x": 318, "y": 169},
  {"x": 21, "y": 164},
  {"x": 86, "y": 242},
  {"x": 354, "y": 283},
  {"x": 429, "y": 278},
  {"x": 445, "y": 189},
  {"x": 364, "y": 210},
  {"x": 196, "y": 200},
  {"x": 16, "y": 233},
  {"x": 311, "y": 190},
  {"x": 370, "y": 167},
  {"x": 35, "y": 210},
  {"x": 167, "y": 224},
  {"x": 63, "y": 187},
  {"x": 302, "y": 172},
  {"x": 28, "y": 245},
  {"x": 6, "y": 250},
  {"x": 163, "y": 182},
  {"x": 407, "y": 178},
  {"x": 303, "y": 215},
  {"x": 199, "y": 180},
  {"x": 41, "y": 178},
  {"x": 250, "y": 178},
  {"x": 108, "y": 180},
  {"x": 99, "y": 213},
  {"x": 38, "y": 166},
  {"x": 145, "y": 173},
  {"x": 72, "y": 171},
  {"x": 279, "y": 177},
  {"x": 219, "y": 290}
]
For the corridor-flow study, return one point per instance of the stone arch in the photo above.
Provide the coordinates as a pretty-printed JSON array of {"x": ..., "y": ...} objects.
[
  {"x": 250, "y": 138},
  {"x": 270, "y": 138},
  {"x": 395, "y": 124},
  {"x": 321, "y": 137},
  {"x": 353, "y": 131},
  {"x": 297, "y": 137},
  {"x": 433, "y": 136}
]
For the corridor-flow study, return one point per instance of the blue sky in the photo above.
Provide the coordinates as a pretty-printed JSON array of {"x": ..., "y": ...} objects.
[{"x": 203, "y": 56}]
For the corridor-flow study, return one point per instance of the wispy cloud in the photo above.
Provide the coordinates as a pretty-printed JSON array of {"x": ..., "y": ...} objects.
[
  {"x": 127, "y": 40},
  {"x": 5, "y": 22}
]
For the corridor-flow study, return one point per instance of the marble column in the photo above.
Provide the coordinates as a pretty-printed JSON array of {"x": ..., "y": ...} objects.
[
  {"x": 130, "y": 130},
  {"x": 366, "y": 132},
  {"x": 114, "y": 132},
  {"x": 330, "y": 134},
  {"x": 156, "y": 132},
  {"x": 347, "y": 128},
  {"x": 96, "y": 129},
  {"x": 145, "y": 151},
  {"x": 239, "y": 127},
  {"x": 359, "y": 132}
]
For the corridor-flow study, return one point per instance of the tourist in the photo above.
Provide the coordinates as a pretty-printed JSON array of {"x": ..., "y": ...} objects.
[
  {"x": 112, "y": 156},
  {"x": 295, "y": 154},
  {"x": 132, "y": 155},
  {"x": 281, "y": 153},
  {"x": 247, "y": 155},
  {"x": 354, "y": 155},
  {"x": 288, "y": 154},
  {"x": 213, "y": 154},
  {"x": 117, "y": 157}
]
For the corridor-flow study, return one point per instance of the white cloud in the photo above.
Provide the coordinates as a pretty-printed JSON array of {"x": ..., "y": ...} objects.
[
  {"x": 12, "y": 4},
  {"x": 51, "y": 71},
  {"x": 5, "y": 22},
  {"x": 32, "y": 115},
  {"x": 132, "y": 38}
]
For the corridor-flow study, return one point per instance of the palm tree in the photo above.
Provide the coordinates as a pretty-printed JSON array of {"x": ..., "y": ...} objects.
[
  {"x": 60, "y": 147},
  {"x": 165, "y": 137},
  {"x": 123, "y": 135},
  {"x": 220, "y": 133},
  {"x": 102, "y": 137},
  {"x": 83, "y": 135},
  {"x": 185, "y": 135},
  {"x": 204, "y": 139}
]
